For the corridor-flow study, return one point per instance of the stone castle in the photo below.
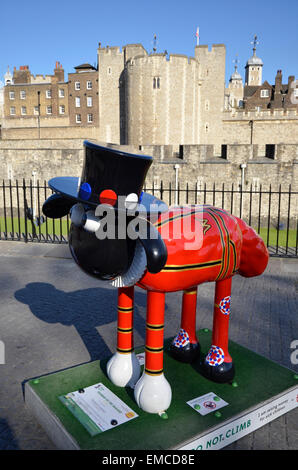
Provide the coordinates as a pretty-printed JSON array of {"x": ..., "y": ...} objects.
[
  {"x": 136, "y": 98},
  {"x": 174, "y": 107}
]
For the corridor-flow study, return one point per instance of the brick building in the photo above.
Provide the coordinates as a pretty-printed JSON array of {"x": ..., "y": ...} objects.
[
  {"x": 34, "y": 97},
  {"x": 83, "y": 96},
  {"x": 266, "y": 96}
]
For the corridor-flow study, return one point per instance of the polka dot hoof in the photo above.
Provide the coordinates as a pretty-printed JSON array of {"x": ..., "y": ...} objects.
[
  {"x": 222, "y": 373},
  {"x": 182, "y": 349},
  {"x": 215, "y": 368},
  {"x": 188, "y": 353}
]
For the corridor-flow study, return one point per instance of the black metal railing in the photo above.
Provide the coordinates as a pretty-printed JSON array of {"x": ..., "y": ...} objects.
[{"x": 272, "y": 212}]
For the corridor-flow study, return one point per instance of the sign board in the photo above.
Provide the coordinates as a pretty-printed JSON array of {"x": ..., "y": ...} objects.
[
  {"x": 207, "y": 403},
  {"x": 245, "y": 424},
  {"x": 97, "y": 408}
]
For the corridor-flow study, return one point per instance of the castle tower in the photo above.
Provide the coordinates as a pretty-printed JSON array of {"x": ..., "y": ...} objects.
[
  {"x": 8, "y": 80},
  {"x": 161, "y": 100},
  {"x": 212, "y": 92},
  {"x": 253, "y": 68},
  {"x": 235, "y": 89},
  {"x": 110, "y": 67}
]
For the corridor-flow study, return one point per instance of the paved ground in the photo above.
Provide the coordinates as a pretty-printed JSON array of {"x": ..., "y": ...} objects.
[{"x": 53, "y": 316}]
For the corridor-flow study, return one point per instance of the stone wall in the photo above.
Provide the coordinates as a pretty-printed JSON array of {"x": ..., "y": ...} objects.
[
  {"x": 265, "y": 127},
  {"x": 202, "y": 173},
  {"x": 48, "y": 132},
  {"x": 48, "y": 158}
]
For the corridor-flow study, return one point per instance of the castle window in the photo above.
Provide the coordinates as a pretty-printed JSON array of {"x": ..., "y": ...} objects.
[
  {"x": 61, "y": 93},
  {"x": 207, "y": 105},
  {"x": 12, "y": 110},
  {"x": 206, "y": 127},
  {"x": 78, "y": 101},
  {"x": 109, "y": 70},
  {"x": 23, "y": 110},
  {"x": 22, "y": 94},
  {"x": 49, "y": 109},
  {"x": 90, "y": 117},
  {"x": 77, "y": 86},
  {"x": 35, "y": 110},
  {"x": 48, "y": 93},
  {"x": 264, "y": 93},
  {"x": 89, "y": 101},
  {"x": 61, "y": 109},
  {"x": 255, "y": 184},
  {"x": 89, "y": 85},
  {"x": 11, "y": 95},
  {"x": 156, "y": 83},
  {"x": 78, "y": 118}
]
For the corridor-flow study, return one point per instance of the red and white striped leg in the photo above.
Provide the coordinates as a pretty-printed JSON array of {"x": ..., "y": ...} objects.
[
  {"x": 185, "y": 346},
  {"x": 218, "y": 365},
  {"x": 124, "y": 368},
  {"x": 152, "y": 392}
]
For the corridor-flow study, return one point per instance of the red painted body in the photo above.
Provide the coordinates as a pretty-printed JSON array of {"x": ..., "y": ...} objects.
[
  {"x": 228, "y": 246},
  {"x": 225, "y": 245}
]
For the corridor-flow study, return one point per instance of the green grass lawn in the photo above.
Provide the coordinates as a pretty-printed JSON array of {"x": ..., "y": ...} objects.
[
  {"x": 282, "y": 237},
  {"x": 58, "y": 228},
  {"x": 51, "y": 227}
]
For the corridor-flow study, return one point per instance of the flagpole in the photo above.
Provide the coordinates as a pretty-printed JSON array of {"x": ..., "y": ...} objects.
[{"x": 198, "y": 37}]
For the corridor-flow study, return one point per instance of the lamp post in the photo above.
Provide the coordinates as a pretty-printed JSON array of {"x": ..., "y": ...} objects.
[{"x": 176, "y": 167}]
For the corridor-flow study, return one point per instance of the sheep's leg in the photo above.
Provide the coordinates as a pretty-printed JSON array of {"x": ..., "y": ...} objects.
[
  {"x": 152, "y": 391},
  {"x": 185, "y": 346},
  {"x": 218, "y": 365},
  {"x": 124, "y": 368}
]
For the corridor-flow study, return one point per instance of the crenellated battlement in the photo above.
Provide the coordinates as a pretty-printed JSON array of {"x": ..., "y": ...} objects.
[
  {"x": 159, "y": 59},
  {"x": 263, "y": 114},
  {"x": 111, "y": 51}
]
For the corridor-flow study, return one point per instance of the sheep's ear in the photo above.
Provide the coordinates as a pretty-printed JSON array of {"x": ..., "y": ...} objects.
[
  {"x": 154, "y": 246},
  {"x": 57, "y": 206}
]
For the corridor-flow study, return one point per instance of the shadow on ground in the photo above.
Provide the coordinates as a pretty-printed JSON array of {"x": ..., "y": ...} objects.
[{"x": 84, "y": 309}]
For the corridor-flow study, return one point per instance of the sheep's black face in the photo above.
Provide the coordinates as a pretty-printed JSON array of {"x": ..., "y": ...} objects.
[
  {"x": 105, "y": 259},
  {"x": 102, "y": 257}
]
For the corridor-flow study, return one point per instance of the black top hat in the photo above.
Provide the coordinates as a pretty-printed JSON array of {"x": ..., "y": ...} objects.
[{"x": 107, "y": 174}]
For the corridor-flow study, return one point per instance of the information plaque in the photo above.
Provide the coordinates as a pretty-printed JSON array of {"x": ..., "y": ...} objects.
[{"x": 97, "y": 408}]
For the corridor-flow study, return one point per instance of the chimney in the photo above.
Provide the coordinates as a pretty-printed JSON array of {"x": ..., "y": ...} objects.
[
  {"x": 278, "y": 82},
  {"x": 59, "y": 72}
]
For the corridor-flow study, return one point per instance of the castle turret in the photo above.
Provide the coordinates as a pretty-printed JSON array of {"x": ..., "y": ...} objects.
[
  {"x": 235, "y": 91},
  {"x": 253, "y": 68},
  {"x": 8, "y": 80}
]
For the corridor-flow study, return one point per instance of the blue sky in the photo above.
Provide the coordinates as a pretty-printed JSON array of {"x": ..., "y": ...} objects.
[{"x": 38, "y": 33}]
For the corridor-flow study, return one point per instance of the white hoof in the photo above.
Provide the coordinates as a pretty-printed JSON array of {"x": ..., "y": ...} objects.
[
  {"x": 153, "y": 394},
  {"x": 123, "y": 369}
]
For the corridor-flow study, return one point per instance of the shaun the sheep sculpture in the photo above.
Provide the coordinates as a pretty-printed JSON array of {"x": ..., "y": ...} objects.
[{"x": 126, "y": 237}]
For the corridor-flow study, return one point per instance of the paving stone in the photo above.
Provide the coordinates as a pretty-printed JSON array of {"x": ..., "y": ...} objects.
[{"x": 53, "y": 316}]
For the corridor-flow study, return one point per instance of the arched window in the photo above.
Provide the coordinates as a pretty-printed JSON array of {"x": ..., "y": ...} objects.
[{"x": 156, "y": 82}]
